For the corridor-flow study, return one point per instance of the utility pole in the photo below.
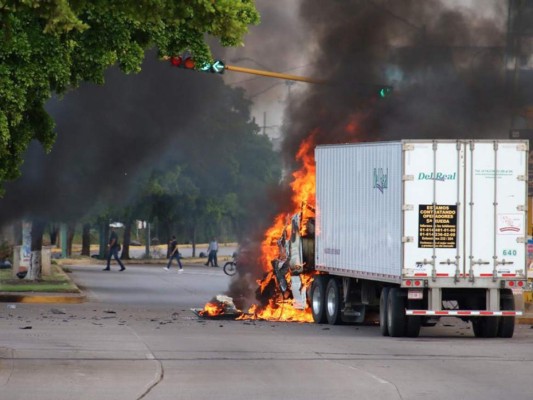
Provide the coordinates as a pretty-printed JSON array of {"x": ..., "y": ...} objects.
[{"x": 274, "y": 74}]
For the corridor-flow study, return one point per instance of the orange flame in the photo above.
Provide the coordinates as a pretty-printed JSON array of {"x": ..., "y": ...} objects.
[
  {"x": 303, "y": 200},
  {"x": 279, "y": 307},
  {"x": 212, "y": 310}
]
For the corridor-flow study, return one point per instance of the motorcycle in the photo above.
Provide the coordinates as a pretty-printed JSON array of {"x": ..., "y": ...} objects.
[{"x": 230, "y": 268}]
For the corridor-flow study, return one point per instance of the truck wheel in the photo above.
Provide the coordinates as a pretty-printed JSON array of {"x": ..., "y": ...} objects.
[
  {"x": 318, "y": 295},
  {"x": 333, "y": 302},
  {"x": 477, "y": 326},
  {"x": 506, "y": 326},
  {"x": 412, "y": 325},
  {"x": 383, "y": 311},
  {"x": 485, "y": 327},
  {"x": 396, "y": 319}
]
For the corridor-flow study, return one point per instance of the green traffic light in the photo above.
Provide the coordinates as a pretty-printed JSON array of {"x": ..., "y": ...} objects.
[
  {"x": 205, "y": 67},
  {"x": 385, "y": 91}
]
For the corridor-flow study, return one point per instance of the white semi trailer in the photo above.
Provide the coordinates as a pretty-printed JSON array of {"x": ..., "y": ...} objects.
[{"x": 422, "y": 229}]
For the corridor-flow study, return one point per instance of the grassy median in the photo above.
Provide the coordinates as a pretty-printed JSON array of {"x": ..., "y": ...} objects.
[{"x": 56, "y": 282}]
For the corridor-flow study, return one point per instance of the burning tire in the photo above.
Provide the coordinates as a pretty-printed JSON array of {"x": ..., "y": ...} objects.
[
  {"x": 383, "y": 299},
  {"x": 396, "y": 319},
  {"x": 333, "y": 302},
  {"x": 318, "y": 295},
  {"x": 506, "y": 325}
]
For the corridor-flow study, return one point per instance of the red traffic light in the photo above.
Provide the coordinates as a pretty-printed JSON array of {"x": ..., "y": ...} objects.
[
  {"x": 176, "y": 61},
  {"x": 189, "y": 63}
]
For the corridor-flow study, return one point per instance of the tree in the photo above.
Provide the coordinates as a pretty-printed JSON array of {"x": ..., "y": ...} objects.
[
  {"x": 50, "y": 47},
  {"x": 213, "y": 174},
  {"x": 86, "y": 240}
]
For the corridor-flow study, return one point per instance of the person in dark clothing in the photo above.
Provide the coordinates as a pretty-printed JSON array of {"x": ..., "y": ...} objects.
[
  {"x": 174, "y": 254},
  {"x": 114, "y": 247}
]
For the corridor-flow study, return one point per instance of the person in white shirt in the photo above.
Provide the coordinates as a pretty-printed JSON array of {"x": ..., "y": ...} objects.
[{"x": 212, "y": 253}]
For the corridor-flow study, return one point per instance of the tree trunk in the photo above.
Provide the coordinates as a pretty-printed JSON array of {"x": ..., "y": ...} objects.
[
  {"x": 37, "y": 230},
  {"x": 168, "y": 235},
  {"x": 104, "y": 237},
  {"x": 193, "y": 234},
  {"x": 54, "y": 229},
  {"x": 71, "y": 229},
  {"x": 86, "y": 240},
  {"x": 127, "y": 239}
]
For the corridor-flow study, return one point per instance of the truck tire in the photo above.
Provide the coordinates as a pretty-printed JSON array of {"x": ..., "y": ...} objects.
[
  {"x": 318, "y": 296},
  {"x": 506, "y": 326},
  {"x": 383, "y": 311},
  {"x": 413, "y": 323},
  {"x": 333, "y": 302},
  {"x": 485, "y": 327},
  {"x": 396, "y": 320}
]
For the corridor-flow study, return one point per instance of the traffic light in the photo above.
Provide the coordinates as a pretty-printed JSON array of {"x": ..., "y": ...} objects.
[
  {"x": 383, "y": 91},
  {"x": 217, "y": 67}
]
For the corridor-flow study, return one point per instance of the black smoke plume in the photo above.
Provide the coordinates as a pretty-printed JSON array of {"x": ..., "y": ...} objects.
[
  {"x": 446, "y": 67},
  {"x": 110, "y": 135}
]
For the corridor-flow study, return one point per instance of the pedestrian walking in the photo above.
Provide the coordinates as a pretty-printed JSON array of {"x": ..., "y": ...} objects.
[
  {"x": 114, "y": 248},
  {"x": 174, "y": 254},
  {"x": 212, "y": 251}
]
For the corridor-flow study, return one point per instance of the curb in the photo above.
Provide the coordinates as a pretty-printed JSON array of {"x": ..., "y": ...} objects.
[
  {"x": 525, "y": 320},
  {"x": 42, "y": 298}
]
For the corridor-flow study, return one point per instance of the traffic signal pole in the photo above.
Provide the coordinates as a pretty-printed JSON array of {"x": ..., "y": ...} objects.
[
  {"x": 219, "y": 66},
  {"x": 273, "y": 74}
]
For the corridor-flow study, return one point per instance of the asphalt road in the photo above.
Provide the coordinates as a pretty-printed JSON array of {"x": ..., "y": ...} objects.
[{"x": 136, "y": 338}]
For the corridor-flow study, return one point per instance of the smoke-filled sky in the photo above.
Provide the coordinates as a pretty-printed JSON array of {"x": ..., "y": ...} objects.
[
  {"x": 109, "y": 135},
  {"x": 445, "y": 62},
  {"x": 444, "y": 59}
]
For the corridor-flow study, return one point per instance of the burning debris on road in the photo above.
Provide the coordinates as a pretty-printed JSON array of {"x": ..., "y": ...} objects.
[{"x": 221, "y": 307}]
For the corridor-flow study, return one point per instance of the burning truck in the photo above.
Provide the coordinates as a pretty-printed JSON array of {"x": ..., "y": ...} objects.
[{"x": 414, "y": 230}]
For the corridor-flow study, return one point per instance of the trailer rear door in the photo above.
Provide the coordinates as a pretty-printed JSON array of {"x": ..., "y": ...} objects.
[
  {"x": 465, "y": 209},
  {"x": 434, "y": 176}
]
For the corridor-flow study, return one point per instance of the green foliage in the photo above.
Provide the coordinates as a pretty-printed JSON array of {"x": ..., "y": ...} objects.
[
  {"x": 6, "y": 250},
  {"x": 216, "y": 176},
  {"x": 51, "y": 46}
]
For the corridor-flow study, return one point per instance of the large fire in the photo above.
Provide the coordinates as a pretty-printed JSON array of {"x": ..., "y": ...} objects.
[{"x": 280, "y": 306}]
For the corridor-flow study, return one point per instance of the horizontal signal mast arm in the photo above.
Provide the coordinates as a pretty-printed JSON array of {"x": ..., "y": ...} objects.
[{"x": 273, "y": 74}]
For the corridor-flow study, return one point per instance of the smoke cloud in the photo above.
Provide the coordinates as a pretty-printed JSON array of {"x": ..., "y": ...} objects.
[
  {"x": 109, "y": 135},
  {"x": 446, "y": 65}
]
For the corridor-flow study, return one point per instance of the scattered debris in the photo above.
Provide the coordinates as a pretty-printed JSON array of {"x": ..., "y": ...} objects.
[
  {"x": 110, "y": 312},
  {"x": 26, "y": 327},
  {"x": 57, "y": 311},
  {"x": 221, "y": 307},
  {"x": 11, "y": 306}
]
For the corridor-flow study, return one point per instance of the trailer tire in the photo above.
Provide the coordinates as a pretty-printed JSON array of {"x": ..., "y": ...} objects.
[
  {"x": 383, "y": 298},
  {"x": 477, "y": 326},
  {"x": 413, "y": 323},
  {"x": 485, "y": 327},
  {"x": 396, "y": 320},
  {"x": 333, "y": 302},
  {"x": 506, "y": 325},
  {"x": 318, "y": 295}
]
